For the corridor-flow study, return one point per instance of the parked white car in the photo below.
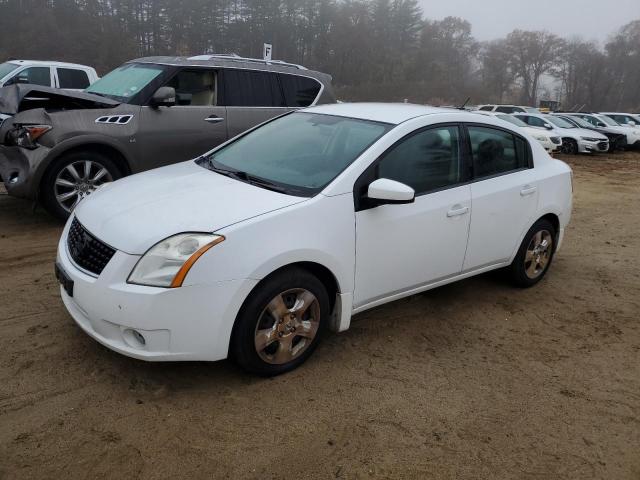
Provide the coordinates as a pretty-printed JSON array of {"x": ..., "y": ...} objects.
[
  {"x": 507, "y": 109},
  {"x": 625, "y": 119},
  {"x": 548, "y": 141},
  {"x": 69, "y": 76},
  {"x": 574, "y": 139},
  {"x": 253, "y": 249},
  {"x": 632, "y": 135}
]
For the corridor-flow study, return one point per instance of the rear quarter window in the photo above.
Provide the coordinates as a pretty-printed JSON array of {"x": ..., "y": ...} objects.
[
  {"x": 250, "y": 88},
  {"x": 299, "y": 91}
]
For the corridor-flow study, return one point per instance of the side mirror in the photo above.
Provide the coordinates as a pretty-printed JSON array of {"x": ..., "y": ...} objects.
[
  {"x": 600, "y": 124},
  {"x": 164, "y": 97},
  {"x": 384, "y": 191},
  {"x": 548, "y": 126},
  {"x": 632, "y": 123}
]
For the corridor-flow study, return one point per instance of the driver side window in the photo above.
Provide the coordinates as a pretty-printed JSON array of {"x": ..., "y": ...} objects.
[
  {"x": 195, "y": 87},
  {"x": 34, "y": 76},
  {"x": 426, "y": 161}
]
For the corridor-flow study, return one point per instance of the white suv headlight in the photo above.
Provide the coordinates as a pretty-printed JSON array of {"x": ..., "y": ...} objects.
[
  {"x": 541, "y": 138},
  {"x": 167, "y": 263}
]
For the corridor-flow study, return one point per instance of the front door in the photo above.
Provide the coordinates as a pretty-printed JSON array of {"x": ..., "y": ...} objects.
[
  {"x": 400, "y": 248},
  {"x": 192, "y": 127}
]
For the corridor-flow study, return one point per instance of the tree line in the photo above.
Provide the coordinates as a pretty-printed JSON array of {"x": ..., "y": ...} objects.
[{"x": 384, "y": 50}]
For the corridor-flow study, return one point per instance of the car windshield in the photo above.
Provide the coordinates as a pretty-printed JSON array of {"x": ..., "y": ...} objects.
[
  {"x": 6, "y": 68},
  {"x": 126, "y": 81},
  {"x": 514, "y": 120},
  {"x": 580, "y": 122},
  {"x": 297, "y": 154},
  {"x": 560, "y": 122},
  {"x": 609, "y": 121}
]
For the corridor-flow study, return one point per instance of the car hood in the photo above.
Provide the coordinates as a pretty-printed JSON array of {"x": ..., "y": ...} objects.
[
  {"x": 135, "y": 213},
  {"x": 583, "y": 132},
  {"x": 21, "y": 97}
]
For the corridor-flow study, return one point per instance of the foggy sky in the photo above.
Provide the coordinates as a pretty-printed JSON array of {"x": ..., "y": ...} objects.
[{"x": 590, "y": 19}]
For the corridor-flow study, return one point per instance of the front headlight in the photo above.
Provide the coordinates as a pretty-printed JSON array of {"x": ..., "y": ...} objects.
[
  {"x": 167, "y": 263},
  {"x": 540, "y": 138},
  {"x": 25, "y": 136},
  {"x": 591, "y": 139}
]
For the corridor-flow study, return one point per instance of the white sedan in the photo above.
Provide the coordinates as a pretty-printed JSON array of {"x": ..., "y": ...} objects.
[{"x": 253, "y": 249}]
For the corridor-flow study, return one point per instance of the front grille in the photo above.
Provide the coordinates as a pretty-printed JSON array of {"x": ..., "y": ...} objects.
[
  {"x": 86, "y": 250},
  {"x": 556, "y": 140}
]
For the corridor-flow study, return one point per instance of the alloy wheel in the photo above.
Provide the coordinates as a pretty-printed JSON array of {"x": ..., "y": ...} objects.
[
  {"x": 287, "y": 326},
  {"x": 538, "y": 254},
  {"x": 77, "y": 181}
]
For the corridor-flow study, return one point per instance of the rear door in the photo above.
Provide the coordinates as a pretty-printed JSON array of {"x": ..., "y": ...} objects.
[
  {"x": 251, "y": 97},
  {"x": 504, "y": 194},
  {"x": 193, "y": 126}
]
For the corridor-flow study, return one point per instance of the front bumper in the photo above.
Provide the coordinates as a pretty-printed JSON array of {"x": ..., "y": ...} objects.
[
  {"x": 186, "y": 323},
  {"x": 585, "y": 146},
  {"x": 19, "y": 168}
]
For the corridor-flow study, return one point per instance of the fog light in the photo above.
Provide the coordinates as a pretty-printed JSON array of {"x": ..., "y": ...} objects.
[{"x": 134, "y": 338}]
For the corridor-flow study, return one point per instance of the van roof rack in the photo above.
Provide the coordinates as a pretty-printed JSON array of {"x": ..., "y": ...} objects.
[{"x": 235, "y": 56}]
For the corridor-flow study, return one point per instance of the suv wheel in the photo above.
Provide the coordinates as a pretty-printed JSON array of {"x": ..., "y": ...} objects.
[
  {"x": 535, "y": 254},
  {"x": 72, "y": 178},
  {"x": 570, "y": 146},
  {"x": 280, "y": 324}
]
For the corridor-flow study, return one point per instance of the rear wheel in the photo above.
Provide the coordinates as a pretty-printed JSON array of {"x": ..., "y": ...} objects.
[
  {"x": 279, "y": 325},
  {"x": 534, "y": 255},
  {"x": 72, "y": 178}
]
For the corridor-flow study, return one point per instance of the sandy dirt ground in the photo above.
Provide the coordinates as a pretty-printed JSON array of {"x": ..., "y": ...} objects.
[{"x": 475, "y": 380}]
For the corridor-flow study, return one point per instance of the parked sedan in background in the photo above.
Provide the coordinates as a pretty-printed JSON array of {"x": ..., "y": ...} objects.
[
  {"x": 619, "y": 137},
  {"x": 574, "y": 139},
  {"x": 60, "y": 146},
  {"x": 623, "y": 118},
  {"x": 255, "y": 248},
  {"x": 507, "y": 109},
  {"x": 548, "y": 141}
]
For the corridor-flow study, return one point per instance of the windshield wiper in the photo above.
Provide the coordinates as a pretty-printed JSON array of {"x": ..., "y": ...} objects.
[{"x": 244, "y": 177}]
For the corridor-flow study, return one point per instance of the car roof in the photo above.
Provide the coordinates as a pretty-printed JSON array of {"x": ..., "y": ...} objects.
[
  {"x": 393, "y": 113},
  {"x": 234, "y": 61},
  {"x": 47, "y": 63}
]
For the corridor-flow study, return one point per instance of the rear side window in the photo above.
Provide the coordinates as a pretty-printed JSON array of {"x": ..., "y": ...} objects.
[
  {"x": 73, "y": 78},
  {"x": 533, "y": 121},
  {"x": 508, "y": 109},
  {"x": 299, "y": 91},
  {"x": 496, "y": 151},
  {"x": 487, "y": 108},
  {"x": 247, "y": 88}
]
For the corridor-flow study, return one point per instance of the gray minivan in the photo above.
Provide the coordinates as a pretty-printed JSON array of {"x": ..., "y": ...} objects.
[{"x": 60, "y": 146}]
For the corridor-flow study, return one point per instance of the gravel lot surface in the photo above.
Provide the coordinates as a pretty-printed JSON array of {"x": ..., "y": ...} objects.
[{"x": 469, "y": 381}]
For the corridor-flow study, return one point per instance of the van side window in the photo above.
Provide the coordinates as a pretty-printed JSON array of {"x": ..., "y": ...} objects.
[
  {"x": 195, "y": 87},
  {"x": 299, "y": 91},
  {"x": 73, "y": 78},
  {"x": 496, "y": 151},
  {"x": 426, "y": 161},
  {"x": 251, "y": 88}
]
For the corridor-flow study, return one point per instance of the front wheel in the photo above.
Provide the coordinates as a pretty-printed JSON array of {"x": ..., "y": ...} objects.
[
  {"x": 72, "y": 178},
  {"x": 279, "y": 325},
  {"x": 570, "y": 146},
  {"x": 534, "y": 255}
]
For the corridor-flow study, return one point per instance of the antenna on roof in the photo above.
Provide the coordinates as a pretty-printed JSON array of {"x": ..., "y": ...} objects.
[{"x": 461, "y": 107}]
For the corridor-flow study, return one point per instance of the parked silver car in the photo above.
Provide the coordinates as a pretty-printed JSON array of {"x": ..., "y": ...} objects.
[{"x": 58, "y": 146}]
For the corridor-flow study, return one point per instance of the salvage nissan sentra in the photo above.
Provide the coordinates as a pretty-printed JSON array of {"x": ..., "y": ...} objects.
[{"x": 253, "y": 249}]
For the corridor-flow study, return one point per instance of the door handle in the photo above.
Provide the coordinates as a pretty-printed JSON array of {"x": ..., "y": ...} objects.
[
  {"x": 528, "y": 190},
  {"x": 457, "y": 210},
  {"x": 214, "y": 119}
]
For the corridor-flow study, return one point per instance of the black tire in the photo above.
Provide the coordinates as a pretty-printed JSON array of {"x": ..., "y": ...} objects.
[
  {"x": 569, "y": 146},
  {"x": 48, "y": 185},
  {"x": 523, "y": 271},
  {"x": 254, "y": 316}
]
